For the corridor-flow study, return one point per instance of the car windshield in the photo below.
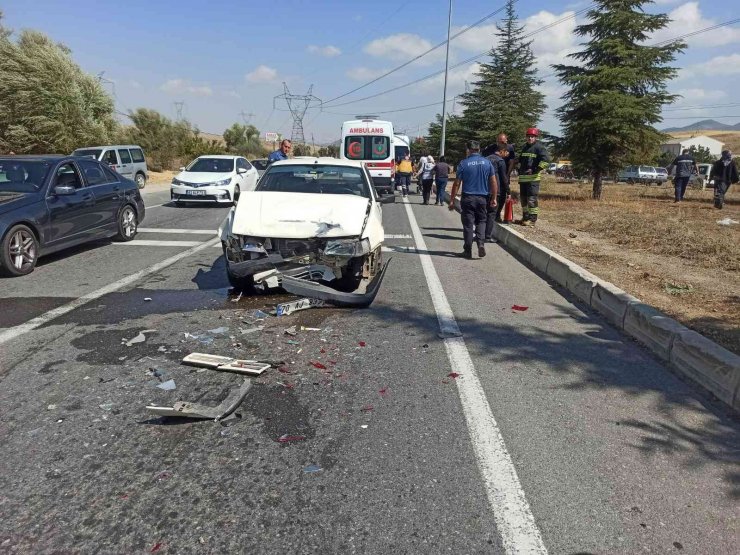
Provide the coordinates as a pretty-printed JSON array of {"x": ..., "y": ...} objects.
[
  {"x": 91, "y": 152},
  {"x": 260, "y": 164},
  {"x": 211, "y": 165},
  {"x": 22, "y": 176},
  {"x": 315, "y": 178}
]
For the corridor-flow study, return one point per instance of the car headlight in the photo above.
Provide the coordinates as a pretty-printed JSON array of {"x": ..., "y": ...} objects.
[
  {"x": 223, "y": 182},
  {"x": 347, "y": 247},
  {"x": 176, "y": 181}
]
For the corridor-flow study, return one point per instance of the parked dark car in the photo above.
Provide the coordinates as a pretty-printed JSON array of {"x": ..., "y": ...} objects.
[{"x": 49, "y": 203}]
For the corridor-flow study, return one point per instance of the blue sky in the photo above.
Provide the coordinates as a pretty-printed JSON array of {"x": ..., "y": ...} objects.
[{"x": 229, "y": 56}]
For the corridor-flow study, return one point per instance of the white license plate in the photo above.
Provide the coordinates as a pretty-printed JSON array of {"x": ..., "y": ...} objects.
[{"x": 195, "y": 193}]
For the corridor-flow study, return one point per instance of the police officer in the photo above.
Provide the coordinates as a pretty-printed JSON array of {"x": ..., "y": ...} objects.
[
  {"x": 477, "y": 177},
  {"x": 533, "y": 161},
  {"x": 685, "y": 165},
  {"x": 498, "y": 159},
  {"x": 724, "y": 173},
  {"x": 281, "y": 153}
]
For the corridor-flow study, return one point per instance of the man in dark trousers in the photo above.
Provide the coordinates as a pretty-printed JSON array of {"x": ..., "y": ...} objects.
[
  {"x": 533, "y": 161},
  {"x": 441, "y": 175},
  {"x": 477, "y": 177},
  {"x": 685, "y": 165},
  {"x": 724, "y": 173},
  {"x": 501, "y": 171}
]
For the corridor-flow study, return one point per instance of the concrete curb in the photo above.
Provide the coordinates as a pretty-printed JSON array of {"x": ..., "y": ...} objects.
[{"x": 710, "y": 365}]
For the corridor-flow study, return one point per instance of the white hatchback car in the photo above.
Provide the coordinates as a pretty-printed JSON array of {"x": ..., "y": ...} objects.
[
  {"x": 214, "y": 178},
  {"x": 313, "y": 226}
]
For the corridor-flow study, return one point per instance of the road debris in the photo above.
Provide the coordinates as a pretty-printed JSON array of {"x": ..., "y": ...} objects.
[
  {"x": 291, "y": 331},
  {"x": 246, "y": 331},
  {"x": 727, "y": 221},
  {"x": 51, "y": 407},
  {"x": 259, "y": 315},
  {"x": 311, "y": 468},
  {"x": 228, "y": 364},
  {"x": 239, "y": 298},
  {"x": 519, "y": 308},
  {"x": 287, "y": 438},
  {"x": 285, "y": 309},
  {"x": 367, "y": 408},
  {"x": 219, "y": 331},
  {"x": 317, "y": 364},
  {"x": 304, "y": 328},
  {"x": 362, "y": 344},
  {"x": 292, "y": 342},
  {"x": 169, "y": 385},
  {"x": 186, "y": 409},
  {"x": 147, "y": 299},
  {"x": 453, "y": 375},
  {"x": 107, "y": 406},
  {"x": 138, "y": 339},
  {"x": 246, "y": 367}
]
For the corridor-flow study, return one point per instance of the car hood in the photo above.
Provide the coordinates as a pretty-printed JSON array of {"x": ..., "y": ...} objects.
[
  {"x": 202, "y": 177},
  {"x": 299, "y": 215},
  {"x": 13, "y": 201}
]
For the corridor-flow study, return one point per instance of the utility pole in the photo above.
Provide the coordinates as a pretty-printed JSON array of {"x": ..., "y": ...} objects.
[
  {"x": 298, "y": 105},
  {"x": 444, "y": 94},
  {"x": 178, "y": 109}
]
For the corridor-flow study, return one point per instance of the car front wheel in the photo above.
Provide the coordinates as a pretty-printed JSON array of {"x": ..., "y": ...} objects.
[
  {"x": 127, "y": 224},
  {"x": 20, "y": 251},
  {"x": 140, "y": 180}
]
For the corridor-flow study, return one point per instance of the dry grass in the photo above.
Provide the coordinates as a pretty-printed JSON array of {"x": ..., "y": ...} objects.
[{"x": 645, "y": 218}]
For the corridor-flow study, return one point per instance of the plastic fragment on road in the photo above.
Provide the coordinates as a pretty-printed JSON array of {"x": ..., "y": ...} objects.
[
  {"x": 140, "y": 338},
  {"x": 291, "y": 331},
  {"x": 229, "y": 364},
  {"x": 245, "y": 367},
  {"x": 363, "y": 426},
  {"x": 186, "y": 409},
  {"x": 157, "y": 546},
  {"x": 219, "y": 331},
  {"x": 727, "y": 221},
  {"x": 259, "y": 315},
  {"x": 311, "y": 468},
  {"x": 519, "y": 308},
  {"x": 367, "y": 408},
  {"x": 246, "y": 331},
  {"x": 303, "y": 328},
  {"x": 287, "y": 438},
  {"x": 238, "y": 298},
  {"x": 169, "y": 385},
  {"x": 147, "y": 299},
  {"x": 285, "y": 309},
  {"x": 453, "y": 375},
  {"x": 206, "y": 361},
  {"x": 362, "y": 344},
  {"x": 292, "y": 342},
  {"x": 317, "y": 364},
  {"x": 383, "y": 392},
  {"x": 107, "y": 406}
]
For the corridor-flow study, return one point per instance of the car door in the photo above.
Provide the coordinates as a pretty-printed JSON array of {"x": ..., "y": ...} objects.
[
  {"x": 126, "y": 169},
  {"x": 71, "y": 216},
  {"x": 110, "y": 157},
  {"x": 106, "y": 187}
]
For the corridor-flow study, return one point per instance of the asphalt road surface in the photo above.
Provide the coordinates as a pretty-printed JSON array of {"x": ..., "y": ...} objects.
[{"x": 443, "y": 421}]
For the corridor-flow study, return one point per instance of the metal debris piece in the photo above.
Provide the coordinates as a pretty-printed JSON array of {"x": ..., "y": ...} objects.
[
  {"x": 206, "y": 361},
  {"x": 247, "y": 367},
  {"x": 139, "y": 338},
  {"x": 229, "y": 364},
  {"x": 186, "y": 409},
  {"x": 284, "y": 309}
]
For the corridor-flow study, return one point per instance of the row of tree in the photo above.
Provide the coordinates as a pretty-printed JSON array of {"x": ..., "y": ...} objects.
[
  {"x": 48, "y": 104},
  {"x": 616, "y": 87}
]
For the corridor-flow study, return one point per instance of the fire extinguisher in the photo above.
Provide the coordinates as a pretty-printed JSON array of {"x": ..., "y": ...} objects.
[{"x": 509, "y": 210}]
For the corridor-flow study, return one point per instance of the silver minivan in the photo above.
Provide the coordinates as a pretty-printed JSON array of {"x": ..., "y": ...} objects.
[{"x": 128, "y": 160}]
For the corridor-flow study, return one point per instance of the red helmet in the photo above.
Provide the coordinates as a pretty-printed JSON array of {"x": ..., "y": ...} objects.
[{"x": 533, "y": 131}]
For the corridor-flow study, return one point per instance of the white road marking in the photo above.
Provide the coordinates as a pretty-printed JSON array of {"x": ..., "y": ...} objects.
[
  {"x": 178, "y": 231},
  {"x": 21, "y": 329},
  {"x": 398, "y": 236},
  {"x": 511, "y": 511},
  {"x": 153, "y": 243},
  {"x": 157, "y": 205}
]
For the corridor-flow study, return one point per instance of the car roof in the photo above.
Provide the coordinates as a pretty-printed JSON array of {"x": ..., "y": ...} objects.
[
  {"x": 324, "y": 160},
  {"x": 43, "y": 157},
  {"x": 222, "y": 156},
  {"x": 107, "y": 146}
]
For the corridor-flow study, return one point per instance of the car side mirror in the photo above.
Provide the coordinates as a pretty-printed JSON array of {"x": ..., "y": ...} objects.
[
  {"x": 241, "y": 170},
  {"x": 64, "y": 190},
  {"x": 182, "y": 168},
  {"x": 388, "y": 199}
]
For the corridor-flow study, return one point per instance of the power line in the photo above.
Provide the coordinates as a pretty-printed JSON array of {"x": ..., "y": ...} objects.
[
  {"x": 731, "y": 105},
  {"x": 702, "y": 116},
  {"x": 407, "y": 109},
  {"x": 415, "y": 58}
]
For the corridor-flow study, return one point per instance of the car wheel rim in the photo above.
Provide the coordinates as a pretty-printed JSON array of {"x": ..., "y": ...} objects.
[
  {"x": 22, "y": 249},
  {"x": 128, "y": 222},
  {"x": 139, "y": 180}
]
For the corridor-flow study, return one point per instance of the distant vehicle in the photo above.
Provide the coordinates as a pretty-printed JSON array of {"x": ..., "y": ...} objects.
[
  {"x": 50, "y": 203},
  {"x": 214, "y": 178},
  {"x": 401, "y": 146},
  {"x": 128, "y": 160},
  {"x": 370, "y": 140},
  {"x": 662, "y": 175},
  {"x": 260, "y": 165},
  {"x": 638, "y": 174}
]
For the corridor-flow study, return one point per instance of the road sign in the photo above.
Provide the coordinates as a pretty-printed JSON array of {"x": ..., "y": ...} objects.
[{"x": 271, "y": 136}]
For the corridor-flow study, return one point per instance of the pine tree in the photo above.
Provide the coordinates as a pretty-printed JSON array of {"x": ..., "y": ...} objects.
[
  {"x": 618, "y": 89},
  {"x": 505, "y": 98}
]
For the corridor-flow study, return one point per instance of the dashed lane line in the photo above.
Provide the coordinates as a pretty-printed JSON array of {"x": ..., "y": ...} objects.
[
  {"x": 177, "y": 231},
  {"x": 511, "y": 512},
  {"x": 153, "y": 243},
  {"x": 17, "y": 331}
]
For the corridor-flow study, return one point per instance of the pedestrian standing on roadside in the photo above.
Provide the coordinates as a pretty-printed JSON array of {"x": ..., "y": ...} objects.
[
  {"x": 477, "y": 178},
  {"x": 441, "y": 175},
  {"x": 724, "y": 173},
  {"x": 684, "y": 165},
  {"x": 417, "y": 168},
  {"x": 533, "y": 161},
  {"x": 494, "y": 212},
  {"x": 426, "y": 176},
  {"x": 281, "y": 153},
  {"x": 404, "y": 171}
]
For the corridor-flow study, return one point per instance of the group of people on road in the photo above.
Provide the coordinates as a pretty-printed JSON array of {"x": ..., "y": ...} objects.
[
  {"x": 429, "y": 173},
  {"x": 723, "y": 173},
  {"x": 484, "y": 185}
]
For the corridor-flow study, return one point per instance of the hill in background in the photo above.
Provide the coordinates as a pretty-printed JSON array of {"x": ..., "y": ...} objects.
[{"x": 704, "y": 125}]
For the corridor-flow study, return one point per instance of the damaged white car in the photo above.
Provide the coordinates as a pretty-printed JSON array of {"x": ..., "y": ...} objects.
[{"x": 313, "y": 226}]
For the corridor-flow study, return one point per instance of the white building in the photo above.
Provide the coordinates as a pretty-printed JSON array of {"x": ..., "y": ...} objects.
[{"x": 675, "y": 146}]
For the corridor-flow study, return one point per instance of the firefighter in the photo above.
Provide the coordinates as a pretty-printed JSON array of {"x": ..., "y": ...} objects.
[{"x": 533, "y": 161}]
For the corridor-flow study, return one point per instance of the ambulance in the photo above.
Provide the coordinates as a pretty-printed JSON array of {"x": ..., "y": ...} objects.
[{"x": 370, "y": 140}]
